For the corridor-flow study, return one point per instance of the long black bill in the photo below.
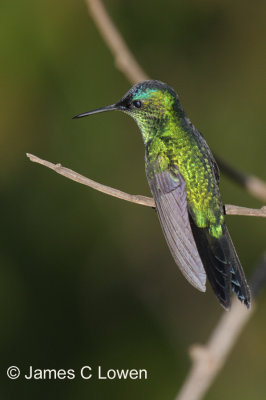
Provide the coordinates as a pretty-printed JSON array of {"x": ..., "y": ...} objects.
[{"x": 112, "y": 107}]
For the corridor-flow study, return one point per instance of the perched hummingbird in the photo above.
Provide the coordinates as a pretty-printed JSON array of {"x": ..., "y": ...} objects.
[{"x": 184, "y": 180}]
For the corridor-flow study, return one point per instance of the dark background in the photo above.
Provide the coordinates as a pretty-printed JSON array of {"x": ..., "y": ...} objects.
[{"x": 86, "y": 278}]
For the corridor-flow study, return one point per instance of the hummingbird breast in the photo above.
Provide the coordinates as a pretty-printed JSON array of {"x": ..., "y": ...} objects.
[{"x": 178, "y": 148}]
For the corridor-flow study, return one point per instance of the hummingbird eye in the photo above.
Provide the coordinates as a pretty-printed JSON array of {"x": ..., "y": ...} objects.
[{"x": 137, "y": 103}]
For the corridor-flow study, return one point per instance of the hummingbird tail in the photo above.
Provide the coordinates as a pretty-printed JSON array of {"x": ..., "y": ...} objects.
[
  {"x": 222, "y": 265},
  {"x": 238, "y": 279}
]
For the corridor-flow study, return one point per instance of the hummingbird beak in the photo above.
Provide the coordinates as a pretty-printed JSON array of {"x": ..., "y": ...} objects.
[{"x": 112, "y": 107}]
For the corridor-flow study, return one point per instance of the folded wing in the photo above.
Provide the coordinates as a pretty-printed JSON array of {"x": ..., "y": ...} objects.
[{"x": 171, "y": 204}]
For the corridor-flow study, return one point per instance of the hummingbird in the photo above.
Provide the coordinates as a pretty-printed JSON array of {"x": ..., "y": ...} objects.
[{"x": 184, "y": 180}]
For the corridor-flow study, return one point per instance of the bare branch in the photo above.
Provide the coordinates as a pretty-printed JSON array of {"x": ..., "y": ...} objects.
[
  {"x": 248, "y": 212},
  {"x": 255, "y": 186},
  {"x": 128, "y": 65},
  {"x": 208, "y": 360},
  {"x": 133, "y": 198},
  {"x": 124, "y": 59},
  {"x": 74, "y": 176}
]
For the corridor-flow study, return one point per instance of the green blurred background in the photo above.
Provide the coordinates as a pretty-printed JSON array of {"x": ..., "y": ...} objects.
[{"x": 86, "y": 279}]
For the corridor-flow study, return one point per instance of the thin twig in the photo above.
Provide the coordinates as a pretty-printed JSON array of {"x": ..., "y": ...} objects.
[
  {"x": 124, "y": 59},
  {"x": 126, "y": 62},
  {"x": 208, "y": 360},
  {"x": 133, "y": 198},
  {"x": 74, "y": 176},
  {"x": 248, "y": 212}
]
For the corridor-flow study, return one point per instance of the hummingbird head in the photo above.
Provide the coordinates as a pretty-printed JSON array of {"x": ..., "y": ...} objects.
[{"x": 150, "y": 103}]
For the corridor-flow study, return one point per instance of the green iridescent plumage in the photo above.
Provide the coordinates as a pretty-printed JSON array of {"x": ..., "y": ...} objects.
[
  {"x": 170, "y": 138},
  {"x": 184, "y": 180}
]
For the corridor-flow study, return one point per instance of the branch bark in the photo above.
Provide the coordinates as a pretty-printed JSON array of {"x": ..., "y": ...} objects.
[
  {"x": 74, "y": 176},
  {"x": 133, "y": 198},
  {"x": 128, "y": 65},
  {"x": 124, "y": 59},
  {"x": 208, "y": 360},
  {"x": 253, "y": 185}
]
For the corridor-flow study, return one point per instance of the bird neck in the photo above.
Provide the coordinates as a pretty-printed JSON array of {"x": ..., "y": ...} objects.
[
  {"x": 161, "y": 125},
  {"x": 168, "y": 141}
]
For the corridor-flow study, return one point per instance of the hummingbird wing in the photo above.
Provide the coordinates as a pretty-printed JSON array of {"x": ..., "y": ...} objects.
[
  {"x": 170, "y": 197},
  {"x": 204, "y": 146},
  {"x": 218, "y": 255}
]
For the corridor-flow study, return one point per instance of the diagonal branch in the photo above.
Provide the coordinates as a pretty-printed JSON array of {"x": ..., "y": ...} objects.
[
  {"x": 209, "y": 359},
  {"x": 74, "y": 176},
  {"x": 124, "y": 59},
  {"x": 128, "y": 65},
  {"x": 133, "y": 198},
  {"x": 253, "y": 185}
]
